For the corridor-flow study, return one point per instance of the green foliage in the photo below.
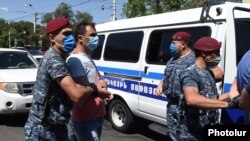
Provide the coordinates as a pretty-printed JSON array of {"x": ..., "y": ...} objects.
[
  {"x": 22, "y": 31},
  {"x": 63, "y": 10},
  {"x": 135, "y": 8},
  {"x": 83, "y": 16},
  {"x": 47, "y": 17}
]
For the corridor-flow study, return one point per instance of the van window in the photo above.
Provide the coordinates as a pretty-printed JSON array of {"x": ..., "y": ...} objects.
[
  {"x": 124, "y": 47},
  {"x": 242, "y": 33},
  {"x": 158, "y": 46},
  {"x": 98, "y": 51}
]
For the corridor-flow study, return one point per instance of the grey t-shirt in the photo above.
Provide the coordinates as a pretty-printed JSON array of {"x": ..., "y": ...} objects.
[{"x": 80, "y": 64}]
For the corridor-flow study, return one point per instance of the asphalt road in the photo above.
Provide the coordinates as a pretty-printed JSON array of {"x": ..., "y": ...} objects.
[{"x": 11, "y": 129}]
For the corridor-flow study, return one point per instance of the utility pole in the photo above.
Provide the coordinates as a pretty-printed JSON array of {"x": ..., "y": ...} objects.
[
  {"x": 35, "y": 19},
  {"x": 114, "y": 10},
  {"x": 9, "y": 39}
]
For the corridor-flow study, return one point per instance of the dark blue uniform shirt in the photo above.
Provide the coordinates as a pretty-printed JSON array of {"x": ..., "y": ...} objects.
[
  {"x": 50, "y": 110},
  {"x": 184, "y": 122}
]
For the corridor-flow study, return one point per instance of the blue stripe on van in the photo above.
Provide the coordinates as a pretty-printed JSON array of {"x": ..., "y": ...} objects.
[
  {"x": 227, "y": 87},
  {"x": 229, "y": 116},
  {"x": 128, "y": 72},
  {"x": 119, "y": 71},
  {"x": 133, "y": 87},
  {"x": 232, "y": 116},
  {"x": 153, "y": 75}
]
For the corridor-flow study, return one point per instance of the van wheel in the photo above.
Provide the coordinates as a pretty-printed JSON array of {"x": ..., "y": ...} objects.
[{"x": 120, "y": 116}]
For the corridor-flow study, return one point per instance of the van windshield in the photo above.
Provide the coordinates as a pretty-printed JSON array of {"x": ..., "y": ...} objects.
[{"x": 17, "y": 60}]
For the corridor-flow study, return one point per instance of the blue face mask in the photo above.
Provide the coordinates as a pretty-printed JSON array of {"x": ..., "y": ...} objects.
[
  {"x": 69, "y": 43},
  {"x": 93, "y": 43},
  {"x": 173, "y": 50}
]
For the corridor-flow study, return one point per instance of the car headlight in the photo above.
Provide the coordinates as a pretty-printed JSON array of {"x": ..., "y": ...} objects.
[{"x": 9, "y": 87}]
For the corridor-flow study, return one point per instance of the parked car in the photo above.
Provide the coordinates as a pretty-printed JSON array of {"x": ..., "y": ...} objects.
[
  {"x": 21, "y": 48},
  {"x": 38, "y": 57},
  {"x": 18, "y": 70}
]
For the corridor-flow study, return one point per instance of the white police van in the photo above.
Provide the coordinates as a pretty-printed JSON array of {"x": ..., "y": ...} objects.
[{"x": 133, "y": 53}]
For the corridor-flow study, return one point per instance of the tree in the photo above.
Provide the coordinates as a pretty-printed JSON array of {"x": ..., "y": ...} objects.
[
  {"x": 4, "y": 33},
  {"x": 83, "y": 16},
  {"x": 47, "y": 17},
  {"x": 63, "y": 10},
  {"x": 21, "y": 31},
  {"x": 135, "y": 8}
]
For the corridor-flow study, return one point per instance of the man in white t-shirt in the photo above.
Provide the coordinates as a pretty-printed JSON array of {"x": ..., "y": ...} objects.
[{"x": 87, "y": 116}]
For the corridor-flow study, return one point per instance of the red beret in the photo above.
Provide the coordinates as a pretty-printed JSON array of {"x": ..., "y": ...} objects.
[
  {"x": 207, "y": 44},
  {"x": 56, "y": 24},
  {"x": 181, "y": 36}
]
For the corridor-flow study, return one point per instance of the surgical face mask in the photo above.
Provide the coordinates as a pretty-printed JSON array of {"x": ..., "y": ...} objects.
[
  {"x": 174, "y": 52},
  {"x": 93, "y": 43},
  {"x": 69, "y": 43},
  {"x": 214, "y": 62}
]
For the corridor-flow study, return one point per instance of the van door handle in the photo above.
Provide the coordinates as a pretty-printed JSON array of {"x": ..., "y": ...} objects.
[{"x": 145, "y": 69}]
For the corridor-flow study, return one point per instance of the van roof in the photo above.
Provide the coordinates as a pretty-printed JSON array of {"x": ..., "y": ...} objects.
[{"x": 168, "y": 18}]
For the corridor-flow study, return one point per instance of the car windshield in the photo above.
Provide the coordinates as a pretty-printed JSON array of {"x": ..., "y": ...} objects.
[
  {"x": 38, "y": 59},
  {"x": 17, "y": 60}
]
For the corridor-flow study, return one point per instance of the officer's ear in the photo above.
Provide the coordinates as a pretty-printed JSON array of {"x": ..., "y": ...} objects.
[
  {"x": 184, "y": 45},
  {"x": 80, "y": 38},
  {"x": 51, "y": 37}
]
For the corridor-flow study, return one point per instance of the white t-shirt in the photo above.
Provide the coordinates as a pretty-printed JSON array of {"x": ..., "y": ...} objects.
[{"x": 81, "y": 64}]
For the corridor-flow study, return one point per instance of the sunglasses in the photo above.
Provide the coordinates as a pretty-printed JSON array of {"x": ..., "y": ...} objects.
[
  {"x": 93, "y": 34},
  {"x": 67, "y": 33}
]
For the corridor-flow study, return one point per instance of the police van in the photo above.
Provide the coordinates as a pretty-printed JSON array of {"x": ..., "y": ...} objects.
[{"x": 133, "y": 52}]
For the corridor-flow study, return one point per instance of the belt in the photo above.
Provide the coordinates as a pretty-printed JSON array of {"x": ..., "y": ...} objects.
[
  {"x": 52, "y": 126},
  {"x": 173, "y": 101}
]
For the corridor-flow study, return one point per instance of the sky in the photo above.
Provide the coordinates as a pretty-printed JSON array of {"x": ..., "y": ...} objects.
[{"x": 16, "y": 10}]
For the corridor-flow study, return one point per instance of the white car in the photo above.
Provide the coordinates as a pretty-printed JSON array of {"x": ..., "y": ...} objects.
[
  {"x": 17, "y": 76},
  {"x": 38, "y": 57}
]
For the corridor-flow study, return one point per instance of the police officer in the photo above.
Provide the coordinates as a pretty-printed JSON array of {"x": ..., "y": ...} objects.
[
  {"x": 182, "y": 57},
  {"x": 54, "y": 89},
  {"x": 245, "y": 98},
  {"x": 192, "y": 101},
  {"x": 241, "y": 85}
]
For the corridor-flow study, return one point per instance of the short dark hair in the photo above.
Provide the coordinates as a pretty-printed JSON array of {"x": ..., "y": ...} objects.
[{"x": 80, "y": 28}]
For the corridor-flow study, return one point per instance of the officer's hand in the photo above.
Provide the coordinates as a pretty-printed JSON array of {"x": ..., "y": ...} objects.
[
  {"x": 103, "y": 84},
  {"x": 110, "y": 97},
  {"x": 159, "y": 89}
]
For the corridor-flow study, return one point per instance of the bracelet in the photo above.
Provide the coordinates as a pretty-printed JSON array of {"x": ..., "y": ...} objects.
[{"x": 94, "y": 87}]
